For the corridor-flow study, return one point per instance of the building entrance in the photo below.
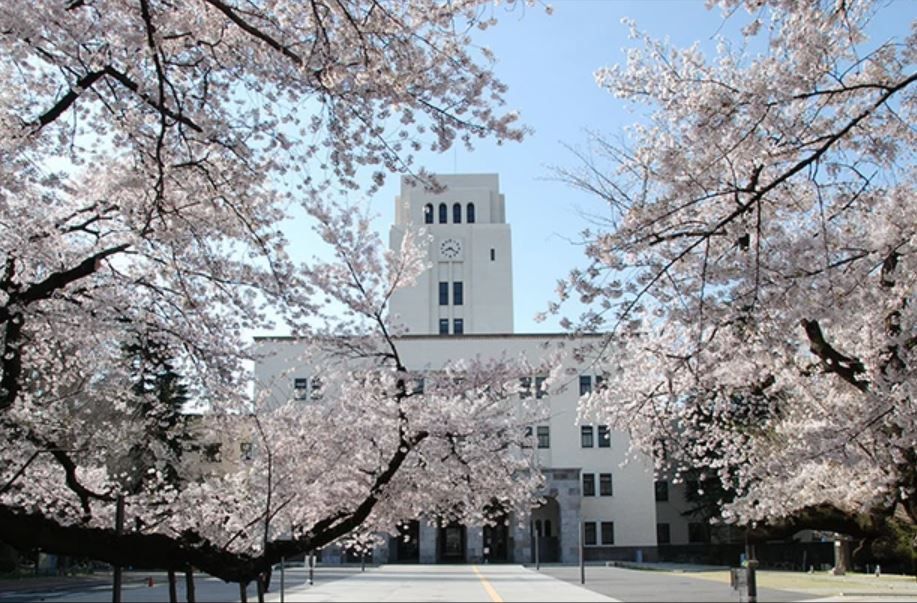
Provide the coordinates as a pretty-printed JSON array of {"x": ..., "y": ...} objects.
[
  {"x": 406, "y": 546},
  {"x": 496, "y": 542},
  {"x": 452, "y": 544}
]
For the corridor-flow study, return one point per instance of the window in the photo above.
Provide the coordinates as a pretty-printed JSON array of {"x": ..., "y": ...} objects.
[
  {"x": 539, "y": 387},
  {"x": 315, "y": 391},
  {"x": 589, "y": 484},
  {"x": 589, "y": 533},
  {"x": 544, "y": 436},
  {"x": 245, "y": 451},
  {"x": 525, "y": 387},
  {"x": 213, "y": 453},
  {"x": 662, "y": 491},
  {"x": 442, "y": 213},
  {"x": 458, "y": 326},
  {"x": 458, "y": 293},
  {"x": 300, "y": 388},
  {"x": 697, "y": 532},
  {"x": 604, "y": 436},
  {"x": 663, "y": 536},
  {"x": 586, "y": 436},
  {"x": 493, "y": 254},
  {"x": 585, "y": 384},
  {"x": 457, "y": 213},
  {"x": 605, "y": 488},
  {"x": 608, "y": 532},
  {"x": 443, "y": 326},
  {"x": 443, "y": 293},
  {"x": 418, "y": 386},
  {"x": 691, "y": 489},
  {"x": 428, "y": 213},
  {"x": 470, "y": 208},
  {"x": 599, "y": 383}
]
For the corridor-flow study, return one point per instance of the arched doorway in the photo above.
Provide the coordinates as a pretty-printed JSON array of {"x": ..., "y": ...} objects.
[
  {"x": 496, "y": 541},
  {"x": 405, "y": 548},
  {"x": 546, "y": 522},
  {"x": 452, "y": 543}
]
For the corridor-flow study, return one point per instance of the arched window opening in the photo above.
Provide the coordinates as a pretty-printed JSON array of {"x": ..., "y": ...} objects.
[
  {"x": 428, "y": 213},
  {"x": 457, "y": 213},
  {"x": 471, "y": 213},
  {"x": 442, "y": 213}
]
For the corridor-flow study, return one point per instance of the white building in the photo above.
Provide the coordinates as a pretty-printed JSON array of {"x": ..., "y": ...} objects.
[{"x": 461, "y": 308}]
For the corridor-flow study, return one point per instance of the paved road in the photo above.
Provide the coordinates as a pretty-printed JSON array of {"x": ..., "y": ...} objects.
[
  {"x": 474, "y": 583},
  {"x": 642, "y": 585},
  {"x": 135, "y": 589}
]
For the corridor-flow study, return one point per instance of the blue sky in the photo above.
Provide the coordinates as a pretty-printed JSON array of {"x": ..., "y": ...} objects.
[{"x": 548, "y": 63}]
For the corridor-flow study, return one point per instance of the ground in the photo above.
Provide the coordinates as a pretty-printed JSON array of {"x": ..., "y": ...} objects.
[{"x": 486, "y": 583}]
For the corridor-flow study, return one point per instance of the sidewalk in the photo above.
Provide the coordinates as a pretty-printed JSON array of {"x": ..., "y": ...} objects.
[{"x": 474, "y": 583}]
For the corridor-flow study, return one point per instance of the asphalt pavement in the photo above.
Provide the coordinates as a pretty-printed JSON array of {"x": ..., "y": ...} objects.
[{"x": 648, "y": 585}]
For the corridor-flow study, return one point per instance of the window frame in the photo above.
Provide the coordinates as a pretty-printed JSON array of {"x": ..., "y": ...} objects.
[
  {"x": 443, "y": 293},
  {"x": 458, "y": 293},
  {"x": 661, "y": 490},
  {"x": 586, "y": 436},
  {"x": 589, "y": 534},
  {"x": 300, "y": 388},
  {"x": 545, "y": 431},
  {"x": 443, "y": 326},
  {"x": 456, "y": 213},
  {"x": 588, "y": 482},
  {"x": 443, "y": 213},
  {"x": 469, "y": 213},
  {"x": 585, "y": 384},
  {"x": 610, "y": 491},
  {"x": 458, "y": 326},
  {"x": 428, "y": 213},
  {"x": 603, "y": 436},
  {"x": 611, "y": 526}
]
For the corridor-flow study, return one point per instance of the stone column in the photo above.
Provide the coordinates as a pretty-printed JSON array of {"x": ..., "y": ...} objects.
[
  {"x": 427, "y": 542},
  {"x": 474, "y": 544}
]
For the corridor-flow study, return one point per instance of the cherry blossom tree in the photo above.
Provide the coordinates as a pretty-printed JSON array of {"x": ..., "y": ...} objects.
[
  {"x": 755, "y": 269},
  {"x": 150, "y": 152}
]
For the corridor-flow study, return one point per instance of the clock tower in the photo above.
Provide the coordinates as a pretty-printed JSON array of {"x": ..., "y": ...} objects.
[{"x": 469, "y": 287}]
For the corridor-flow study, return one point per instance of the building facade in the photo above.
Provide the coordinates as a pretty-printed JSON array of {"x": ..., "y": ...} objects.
[{"x": 463, "y": 307}]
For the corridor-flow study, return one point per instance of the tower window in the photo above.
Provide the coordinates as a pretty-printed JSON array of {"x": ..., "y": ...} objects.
[
  {"x": 442, "y": 213},
  {"x": 493, "y": 254},
  {"x": 443, "y": 293},
  {"x": 428, "y": 213},
  {"x": 443, "y": 326},
  {"x": 585, "y": 384},
  {"x": 457, "y": 213},
  {"x": 458, "y": 326},
  {"x": 470, "y": 213},
  {"x": 458, "y": 293}
]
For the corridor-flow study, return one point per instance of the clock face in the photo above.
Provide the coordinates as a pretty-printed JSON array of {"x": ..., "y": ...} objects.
[{"x": 450, "y": 249}]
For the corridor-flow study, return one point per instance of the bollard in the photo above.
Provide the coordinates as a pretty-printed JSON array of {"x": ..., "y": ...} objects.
[
  {"x": 311, "y": 568},
  {"x": 282, "y": 564}
]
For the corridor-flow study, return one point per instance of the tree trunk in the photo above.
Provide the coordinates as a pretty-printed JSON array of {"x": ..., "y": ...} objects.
[
  {"x": 173, "y": 595},
  {"x": 189, "y": 584},
  {"x": 243, "y": 592}
]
